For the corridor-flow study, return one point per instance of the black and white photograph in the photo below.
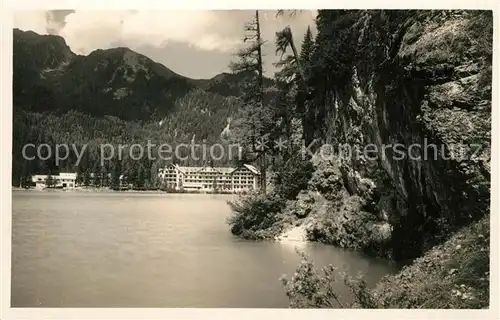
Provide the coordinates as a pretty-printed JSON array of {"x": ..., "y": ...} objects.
[{"x": 251, "y": 159}]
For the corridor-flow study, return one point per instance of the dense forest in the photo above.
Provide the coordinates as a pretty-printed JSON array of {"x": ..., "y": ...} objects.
[{"x": 196, "y": 119}]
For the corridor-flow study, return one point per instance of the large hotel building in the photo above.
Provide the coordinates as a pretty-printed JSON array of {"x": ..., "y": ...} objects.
[{"x": 211, "y": 179}]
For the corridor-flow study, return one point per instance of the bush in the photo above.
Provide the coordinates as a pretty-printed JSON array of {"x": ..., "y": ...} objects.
[
  {"x": 309, "y": 288},
  {"x": 292, "y": 178},
  {"x": 253, "y": 214},
  {"x": 454, "y": 275},
  {"x": 345, "y": 224},
  {"x": 304, "y": 204},
  {"x": 327, "y": 179}
]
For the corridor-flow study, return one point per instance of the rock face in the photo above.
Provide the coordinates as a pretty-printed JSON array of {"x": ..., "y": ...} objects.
[
  {"x": 426, "y": 88},
  {"x": 447, "y": 102}
]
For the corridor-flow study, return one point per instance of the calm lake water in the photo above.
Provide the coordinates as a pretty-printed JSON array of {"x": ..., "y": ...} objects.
[{"x": 76, "y": 249}]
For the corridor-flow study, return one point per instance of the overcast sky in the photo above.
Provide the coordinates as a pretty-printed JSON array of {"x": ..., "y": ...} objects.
[{"x": 197, "y": 44}]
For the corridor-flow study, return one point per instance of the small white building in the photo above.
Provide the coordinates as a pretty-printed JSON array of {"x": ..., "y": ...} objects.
[{"x": 62, "y": 180}]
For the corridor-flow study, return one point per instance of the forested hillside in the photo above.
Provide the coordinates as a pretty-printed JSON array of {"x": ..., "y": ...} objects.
[
  {"x": 79, "y": 130},
  {"x": 112, "y": 96}
]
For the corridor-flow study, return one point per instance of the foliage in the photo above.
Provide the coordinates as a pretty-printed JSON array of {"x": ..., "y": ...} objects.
[
  {"x": 255, "y": 213},
  {"x": 347, "y": 225},
  {"x": 292, "y": 177},
  {"x": 327, "y": 179},
  {"x": 294, "y": 70},
  {"x": 199, "y": 114},
  {"x": 256, "y": 122},
  {"x": 262, "y": 216},
  {"x": 454, "y": 275},
  {"x": 284, "y": 39},
  {"x": 310, "y": 289}
]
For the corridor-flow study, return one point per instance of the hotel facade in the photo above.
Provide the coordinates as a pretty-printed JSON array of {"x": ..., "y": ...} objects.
[{"x": 210, "y": 179}]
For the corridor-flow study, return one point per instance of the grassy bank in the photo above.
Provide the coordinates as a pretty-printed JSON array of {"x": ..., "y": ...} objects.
[{"x": 453, "y": 275}]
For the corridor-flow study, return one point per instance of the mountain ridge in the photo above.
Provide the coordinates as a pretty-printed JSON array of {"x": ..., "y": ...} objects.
[
  {"x": 118, "y": 81},
  {"x": 18, "y": 32}
]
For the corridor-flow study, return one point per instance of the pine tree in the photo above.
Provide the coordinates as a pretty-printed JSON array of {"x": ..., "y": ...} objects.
[
  {"x": 132, "y": 177},
  {"x": 115, "y": 177},
  {"x": 26, "y": 182},
  {"x": 97, "y": 179},
  {"x": 154, "y": 181},
  {"x": 297, "y": 68},
  {"x": 49, "y": 181},
  {"x": 104, "y": 177},
  {"x": 79, "y": 175},
  {"x": 140, "y": 177},
  {"x": 303, "y": 98},
  {"x": 306, "y": 52},
  {"x": 284, "y": 40},
  {"x": 96, "y": 170},
  {"x": 86, "y": 177},
  {"x": 24, "y": 174},
  {"x": 256, "y": 121}
]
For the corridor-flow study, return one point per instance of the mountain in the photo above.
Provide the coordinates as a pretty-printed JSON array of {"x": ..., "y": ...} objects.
[
  {"x": 113, "y": 96},
  {"x": 119, "y": 82},
  {"x": 227, "y": 84}
]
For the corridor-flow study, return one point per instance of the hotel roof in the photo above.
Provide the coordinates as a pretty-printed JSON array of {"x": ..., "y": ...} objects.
[
  {"x": 252, "y": 168},
  {"x": 223, "y": 170}
]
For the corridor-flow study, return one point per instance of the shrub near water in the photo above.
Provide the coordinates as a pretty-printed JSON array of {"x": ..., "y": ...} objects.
[
  {"x": 348, "y": 219},
  {"x": 309, "y": 288},
  {"x": 254, "y": 215},
  {"x": 454, "y": 275},
  {"x": 263, "y": 216},
  {"x": 347, "y": 225}
]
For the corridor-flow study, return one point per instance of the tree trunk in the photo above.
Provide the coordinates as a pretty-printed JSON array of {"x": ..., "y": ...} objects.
[{"x": 263, "y": 164}]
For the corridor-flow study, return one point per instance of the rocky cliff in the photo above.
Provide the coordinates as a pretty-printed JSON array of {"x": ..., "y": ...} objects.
[{"x": 416, "y": 86}]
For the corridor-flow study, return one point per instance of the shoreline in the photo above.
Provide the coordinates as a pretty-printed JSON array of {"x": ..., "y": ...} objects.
[{"x": 108, "y": 190}]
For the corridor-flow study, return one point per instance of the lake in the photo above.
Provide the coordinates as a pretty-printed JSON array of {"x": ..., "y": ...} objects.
[{"x": 111, "y": 249}]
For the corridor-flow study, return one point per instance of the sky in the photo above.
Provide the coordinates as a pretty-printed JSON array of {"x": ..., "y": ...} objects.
[{"x": 196, "y": 44}]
